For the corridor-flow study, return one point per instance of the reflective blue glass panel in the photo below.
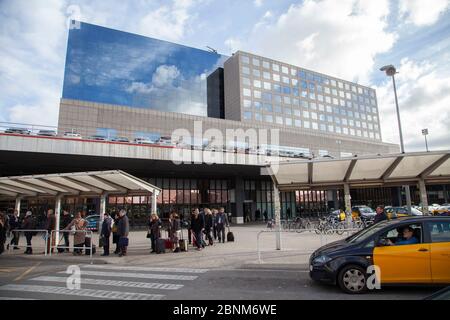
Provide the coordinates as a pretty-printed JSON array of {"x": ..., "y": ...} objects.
[{"x": 109, "y": 66}]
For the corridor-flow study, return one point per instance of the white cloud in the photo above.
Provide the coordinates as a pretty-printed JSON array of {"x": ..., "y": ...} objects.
[
  {"x": 258, "y": 3},
  {"x": 169, "y": 22},
  {"x": 422, "y": 13},
  {"x": 424, "y": 101},
  {"x": 233, "y": 44},
  {"x": 352, "y": 34},
  {"x": 165, "y": 75}
]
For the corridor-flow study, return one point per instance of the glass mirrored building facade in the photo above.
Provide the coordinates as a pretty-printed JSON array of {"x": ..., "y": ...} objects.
[{"x": 119, "y": 68}]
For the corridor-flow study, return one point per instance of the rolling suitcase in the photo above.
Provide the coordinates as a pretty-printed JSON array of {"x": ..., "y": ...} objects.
[
  {"x": 183, "y": 243},
  {"x": 230, "y": 236}
]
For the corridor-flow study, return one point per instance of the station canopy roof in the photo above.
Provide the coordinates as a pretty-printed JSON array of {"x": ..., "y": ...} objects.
[
  {"x": 363, "y": 171},
  {"x": 94, "y": 183}
]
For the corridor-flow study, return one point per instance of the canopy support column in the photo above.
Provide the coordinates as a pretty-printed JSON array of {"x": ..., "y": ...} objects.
[
  {"x": 408, "y": 197},
  {"x": 58, "y": 202},
  {"x": 348, "y": 203},
  {"x": 17, "y": 205},
  {"x": 154, "y": 201},
  {"x": 277, "y": 207},
  {"x": 423, "y": 196},
  {"x": 103, "y": 199}
]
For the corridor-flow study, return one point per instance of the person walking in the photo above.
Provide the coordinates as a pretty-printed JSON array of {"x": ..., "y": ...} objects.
[
  {"x": 28, "y": 224},
  {"x": 50, "y": 225},
  {"x": 154, "y": 228},
  {"x": 66, "y": 219},
  {"x": 175, "y": 231},
  {"x": 14, "y": 225},
  {"x": 123, "y": 229},
  {"x": 190, "y": 222},
  {"x": 78, "y": 226},
  {"x": 197, "y": 226},
  {"x": 106, "y": 233},
  {"x": 266, "y": 216},
  {"x": 209, "y": 222},
  {"x": 221, "y": 222},
  {"x": 115, "y": 240}
]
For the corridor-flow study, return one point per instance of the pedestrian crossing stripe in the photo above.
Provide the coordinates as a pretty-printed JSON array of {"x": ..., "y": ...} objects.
[
  {"x": 115, "y": 283},
  {"x": 91, "y": 293},
  {"x": 149, "y": 269},
  {"x": 136, "y": 275}
]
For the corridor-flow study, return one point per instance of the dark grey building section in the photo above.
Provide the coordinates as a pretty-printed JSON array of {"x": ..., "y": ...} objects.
[{"x": 215, "y": 94}]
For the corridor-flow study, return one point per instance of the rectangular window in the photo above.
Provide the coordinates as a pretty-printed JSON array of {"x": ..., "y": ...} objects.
[
  {"x": 287, "y": 90},
  {"x": 257, "y": 94},
  {"x": 286, "y": 80},
  {"x": 268, "y": 118},
  {"x": 266, "y": 75},
  {"x": 247, "y": 103},
  {"x": 257, "y": 105},
  {"x": 245, "y": 70},
  {"x": 256, "y": 73},
  {"x": 268, "y": 107},
  {"x": 297, "y": 123},
  {"x": 247, "y": 115},
  {"x": 255, "y": 62},
  {"x": 305, "y": 114},
  {"x": 245, "y": 59},
  {"x": 276, "y": 77},
  {"x": 306, "y": 124},
  {"x": 267, "y": 96},
  {"x": 287, "y": 100},
  {"x": 258, "y": 116},
  {"x": 267, "y": 85},
  {"x": 285, "y": 70},
  {"x": 275, "y": 67},
  {"x": 288, "y": 121},
  {"x": 247, "y": 92},
  {"x": 315, "y": 126},
  {"x": 257, "y": 83},
  {"x": 279, "y": 120},
  {"x": 288, "y": 111},
  {"x": 266, "y": 65}
]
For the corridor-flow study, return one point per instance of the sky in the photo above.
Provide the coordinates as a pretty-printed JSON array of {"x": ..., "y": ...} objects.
[{"x": 348, "y": 39}]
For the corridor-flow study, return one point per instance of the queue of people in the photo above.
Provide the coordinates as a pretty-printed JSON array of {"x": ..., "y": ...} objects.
[{"x": 204, "y": 227}]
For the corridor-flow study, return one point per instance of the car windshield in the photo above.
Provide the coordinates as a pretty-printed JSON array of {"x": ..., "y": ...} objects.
[
  {"x": 366, "y": 233},
  {"x": 365, "y": 210}
]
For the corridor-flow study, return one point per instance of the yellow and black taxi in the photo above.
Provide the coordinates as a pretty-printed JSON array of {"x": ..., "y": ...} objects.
[{"x": 409, "y": 250}]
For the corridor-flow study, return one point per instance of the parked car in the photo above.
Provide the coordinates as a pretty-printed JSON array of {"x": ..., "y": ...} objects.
[
  {"x": 120, "y": 139},
  {"x": 47, "y": 133},
  {"x": 363, "y": 211},
  {"x": 346, "y": 262},
  {"x": 166, "y": 141},
  {"x": 98, "y": 138},
  {"x": 92, "y": 222},
  {"x": 444, "y": 209},
  {"x": 72, "y": 135},
  {"x": 18, "y": 131},
  {"x": 143, "y": 141}
]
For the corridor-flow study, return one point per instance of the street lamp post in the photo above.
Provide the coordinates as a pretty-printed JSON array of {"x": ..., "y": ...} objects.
[
  {"x": 390, "y": 72},
  {"x": 425, "y": 133},
  {"x": 339, "y": 148}
]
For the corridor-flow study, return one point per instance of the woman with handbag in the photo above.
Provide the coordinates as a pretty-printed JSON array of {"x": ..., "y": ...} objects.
[
  {"x": 175, "y": 231},
  {"x": 154, "y": 230},
  {"x": 116, "y": 237},
  {"x": 78, "y": 226}
]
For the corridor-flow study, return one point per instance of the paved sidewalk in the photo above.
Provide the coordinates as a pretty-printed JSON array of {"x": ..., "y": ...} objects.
[{"x": 296, "y": 249}]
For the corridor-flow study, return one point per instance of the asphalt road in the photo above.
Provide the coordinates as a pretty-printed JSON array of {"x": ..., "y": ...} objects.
[{"x": 20, "y": 279}]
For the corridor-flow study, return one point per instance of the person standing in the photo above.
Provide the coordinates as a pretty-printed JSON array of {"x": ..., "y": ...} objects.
[
  {"x": 50, "y": 225},
  {"x": 214, "y": 215},
  {"x": 257, "y": 214},
  {"x": 208, "y": 226},
  {"x": 175, "y": 231},
  {"x": 266, "y": 216},
  {"x": 14, "y": 224},
  {"x": 106, "y": 233},
  {"x": 3, "y": 230},
  {"x": 197, "y": 226},
  {"x": 154, "y": 227},
  {"x": 28, "y": 224},
  {"x": 66, "y": 219},
  {"x": 381, "y": 216},
  {"x": 190, "y": 223},
  {"x": 115, "y": 216},
  {"x": 123, "y": 229},
  {"x": 221, "y": 221},
  {"x": 78, "y": 225}
]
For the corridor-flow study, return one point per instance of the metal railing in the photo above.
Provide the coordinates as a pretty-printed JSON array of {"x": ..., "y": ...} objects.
[
  {"x": 323, "y": 236},
  {"x": 28, "y": 246},
  {"x": 56, "y": 246}
]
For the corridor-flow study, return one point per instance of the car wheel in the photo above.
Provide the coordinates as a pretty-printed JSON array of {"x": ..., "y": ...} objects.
[{"x": 352, "y": 279}]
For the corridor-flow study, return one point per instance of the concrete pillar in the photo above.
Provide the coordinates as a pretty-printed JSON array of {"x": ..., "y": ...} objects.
[
  {"x": 154, "y": 201},
  {"x": 444, "y": 188},
  {"x": 408, "y": 197},
  {"x": 277, "y": 207},
  {"x": 423, "y": 196},
  {"x": 335, "y": 200},
  {"x": 17, "y": 205},
  {"x": 348, "y": 203},
  {"x": 103, "y": 199},
  {"x": 239, "y": 197},
  {"x": 58, "y": 202}
]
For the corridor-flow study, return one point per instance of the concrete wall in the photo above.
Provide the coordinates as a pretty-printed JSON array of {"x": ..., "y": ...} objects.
[{"x": 86, "y": 117}]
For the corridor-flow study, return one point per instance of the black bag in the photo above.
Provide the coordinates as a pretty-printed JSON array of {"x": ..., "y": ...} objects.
[
  {"x": 160, "y": 245},
  {"x": 148, "y": 235},
  {"x": 87, "y": 244},
  {"x": 230, "y": 236}
]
